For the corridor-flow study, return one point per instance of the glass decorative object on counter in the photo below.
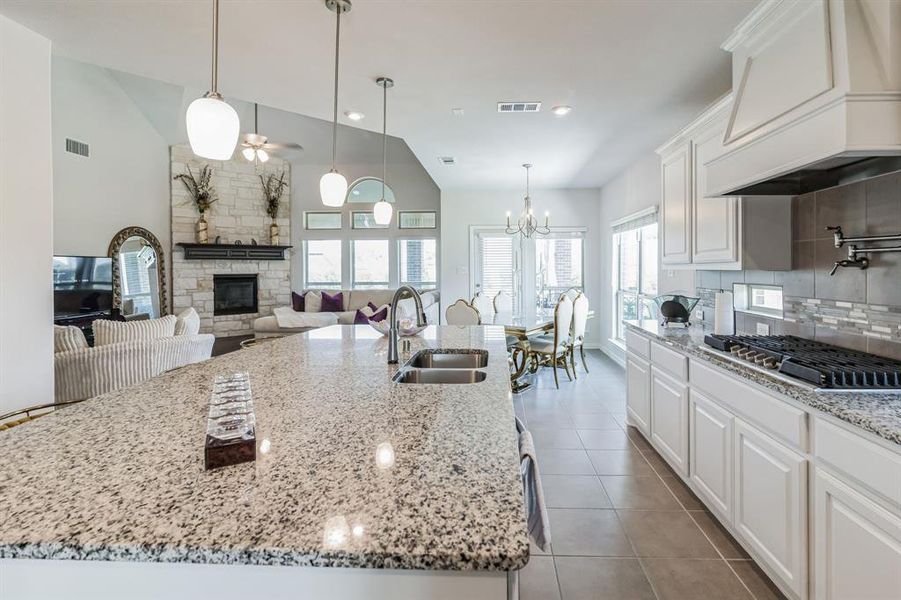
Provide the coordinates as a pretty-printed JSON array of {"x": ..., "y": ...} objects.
[{"x": 230, "y": 427}]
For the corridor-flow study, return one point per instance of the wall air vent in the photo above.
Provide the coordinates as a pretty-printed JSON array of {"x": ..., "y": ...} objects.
[
  {"x": 76, "y": 147},
  {"x": 518, "y": 107},
  {"x": 447, "y": 160}
]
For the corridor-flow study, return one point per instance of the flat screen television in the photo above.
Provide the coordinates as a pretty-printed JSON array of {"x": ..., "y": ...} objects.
[{"x": 82, "y": 286}]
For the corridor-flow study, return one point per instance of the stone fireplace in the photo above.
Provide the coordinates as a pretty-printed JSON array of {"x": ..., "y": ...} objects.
[{"x": 221, "y": 290}]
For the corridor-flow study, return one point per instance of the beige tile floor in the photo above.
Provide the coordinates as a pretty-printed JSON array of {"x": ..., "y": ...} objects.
[{"x": 623, "y": 525}]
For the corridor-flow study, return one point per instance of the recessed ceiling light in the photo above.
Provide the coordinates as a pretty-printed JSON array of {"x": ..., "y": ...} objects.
[
  {"x": 354, "y": 115},
  {"x": 561, "y": 110}
]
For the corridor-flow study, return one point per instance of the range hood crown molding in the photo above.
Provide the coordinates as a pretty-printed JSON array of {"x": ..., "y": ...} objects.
[{"x": 841, "y": 119}]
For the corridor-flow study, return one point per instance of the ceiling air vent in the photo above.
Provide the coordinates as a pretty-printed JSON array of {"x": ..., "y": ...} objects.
[
  {"x": 447, "y": 160},
  {"x": 518, "y": 107},
  {"x": 76, "y": 147}
]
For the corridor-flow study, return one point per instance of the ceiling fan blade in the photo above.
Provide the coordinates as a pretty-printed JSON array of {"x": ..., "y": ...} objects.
[{"x": 281, "y": 146}]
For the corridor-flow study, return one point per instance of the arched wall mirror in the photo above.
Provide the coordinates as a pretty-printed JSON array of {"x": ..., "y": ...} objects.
[
  {"x": 139, "y": 274},
  {"x": 368, "y": 190}
]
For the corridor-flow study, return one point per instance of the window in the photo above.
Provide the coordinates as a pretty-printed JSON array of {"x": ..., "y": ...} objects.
[
  {"x": 758, "y": 299},
  {"x": 135, "y": 268},
  {"x": 634, "y": 269},
  {"x": 417, "y": 219},
  {"x": 558, "y": 266},
  {"x": 495, "y": 264},
  {"x": 370, "y": 266},
  {"x": 322, "y": 264},
  {"x": 322, "y": 220},
  {"x": 365, "y": 220},
  {"x": 418, "y": 262}
]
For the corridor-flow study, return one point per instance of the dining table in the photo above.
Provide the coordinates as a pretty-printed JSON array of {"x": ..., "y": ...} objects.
[{"x": 519, "y": 328}]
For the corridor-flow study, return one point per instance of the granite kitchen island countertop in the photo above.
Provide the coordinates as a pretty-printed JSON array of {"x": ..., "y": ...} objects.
[
  {"x": 121, "y": 478},
  {"x": 876, "y": 411}
]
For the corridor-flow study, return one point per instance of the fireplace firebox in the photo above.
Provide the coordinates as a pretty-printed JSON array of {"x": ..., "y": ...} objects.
[{"x": 234, "y": 294}]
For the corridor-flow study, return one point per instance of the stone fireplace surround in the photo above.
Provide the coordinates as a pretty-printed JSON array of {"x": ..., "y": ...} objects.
[{"x": 239, "y": 214}]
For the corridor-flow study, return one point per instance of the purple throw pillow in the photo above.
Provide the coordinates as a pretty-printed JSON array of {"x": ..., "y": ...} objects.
[
  {"x": 360, "y": 318},
  {"x": 297, "y": 302},
  {"x": 372, "y": 306},
  {"x": 380, "y": 316},
  {"x": 332, "y": 303}
]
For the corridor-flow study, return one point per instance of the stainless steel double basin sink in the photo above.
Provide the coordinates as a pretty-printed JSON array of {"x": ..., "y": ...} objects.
[{"x": 444, "y": 366}]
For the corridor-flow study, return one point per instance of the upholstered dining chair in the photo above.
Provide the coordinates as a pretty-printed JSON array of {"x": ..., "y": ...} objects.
[
  {"x": 554, "y": 349},
  {"x": 461, "y": 312},
  {"x": 572, "y": 293},
  {"x": 483, "y": 304},
  {"x": 503, "y": 302},
  {"x": 577, "y": 336}
]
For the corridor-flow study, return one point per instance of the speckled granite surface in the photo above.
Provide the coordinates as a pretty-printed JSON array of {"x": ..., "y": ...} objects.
[
  {"x": 120, "y": 477},
  {"x": 875, "y": 411}
]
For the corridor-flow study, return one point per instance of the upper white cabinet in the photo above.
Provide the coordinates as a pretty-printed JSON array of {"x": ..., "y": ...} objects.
[
  {"x": 676, "y": 205},
  {"x": 817, "y": 84},
  {"x": 703, "y": 232}
]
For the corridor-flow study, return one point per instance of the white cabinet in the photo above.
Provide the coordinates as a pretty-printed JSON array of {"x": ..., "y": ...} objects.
[
  {"x": 715, "y": 223},
  {"x": 669, "y": 419},
  {"x": 771, "y": 504},
  {"x": 711, "y": 453},
  {"x": 638, "y": 393},
  {"x": 676, "y": 205},
  {"x": 856, "y": 544},
  {"x": 719, "y": 233}
]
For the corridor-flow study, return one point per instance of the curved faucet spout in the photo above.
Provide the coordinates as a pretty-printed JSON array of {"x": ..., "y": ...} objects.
[{"x": 392, "y": 319}]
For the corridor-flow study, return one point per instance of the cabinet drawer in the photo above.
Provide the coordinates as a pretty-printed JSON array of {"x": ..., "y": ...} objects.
[
  {"x": 674, "y": 363},
  {"x": 638, "y": 344},
  {"x": 859, "y": 459},
  {"x": 776, "y": 416}
]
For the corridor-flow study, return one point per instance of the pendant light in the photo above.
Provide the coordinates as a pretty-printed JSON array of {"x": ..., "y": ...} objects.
[
  {"x": 527, "y": 225},
  {"x": 382, "y": 210},
  {"x": 213, "y": 125},
  {"x": 333, "y": 185}
]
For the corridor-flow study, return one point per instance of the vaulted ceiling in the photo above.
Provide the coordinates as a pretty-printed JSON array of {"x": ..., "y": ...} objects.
[{"x": 634, "y": 71}]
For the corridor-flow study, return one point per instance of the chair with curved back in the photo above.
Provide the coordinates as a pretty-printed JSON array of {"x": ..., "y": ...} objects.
[
  {"x": 577, "y": 336},
  {"x": 572, "y": 293},
  {"x": 554, "y": 348},
  {"x": 483, "y": 304},
  {"x": 461, "y": 312},
  {"x": 503, "y": 302}
]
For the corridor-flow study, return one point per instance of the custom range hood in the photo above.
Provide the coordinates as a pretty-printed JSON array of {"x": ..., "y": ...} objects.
[{"x": 817, "y": 88}]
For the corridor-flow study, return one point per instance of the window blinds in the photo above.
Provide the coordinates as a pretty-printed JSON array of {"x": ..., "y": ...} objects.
[{"x": 636, "y": 220}]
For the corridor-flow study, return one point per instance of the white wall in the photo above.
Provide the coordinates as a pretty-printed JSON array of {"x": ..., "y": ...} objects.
[
  {"x": 568, "y": 208},
  {"x": 636, "y": 188},
  {"x": 124, "y": 181},
  {"x": 26, "y": 219}
]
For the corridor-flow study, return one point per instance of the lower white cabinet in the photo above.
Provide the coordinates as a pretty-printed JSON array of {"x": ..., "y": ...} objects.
[
  {"x": 669, "y": 419},
  {"x": 638, "y": 393},
  {"x": 771, "y": 504},
  {"x": 856, "y": 544},
  {"x": 711, "y": 453}
]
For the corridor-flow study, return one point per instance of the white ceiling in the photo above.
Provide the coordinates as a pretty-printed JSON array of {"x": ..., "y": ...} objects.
[{"x": 634, "y": 71}]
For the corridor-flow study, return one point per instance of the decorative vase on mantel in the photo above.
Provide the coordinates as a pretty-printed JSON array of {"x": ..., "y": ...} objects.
[
  {"x": 273, "y": 234},
  {"x": 202, "y": 230}
]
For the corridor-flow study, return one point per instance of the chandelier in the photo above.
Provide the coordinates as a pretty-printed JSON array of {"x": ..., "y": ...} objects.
[{"x": 527, "y": 224}]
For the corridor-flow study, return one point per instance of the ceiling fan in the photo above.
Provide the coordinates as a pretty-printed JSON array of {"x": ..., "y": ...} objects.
[{"x": 257, "y": 147}]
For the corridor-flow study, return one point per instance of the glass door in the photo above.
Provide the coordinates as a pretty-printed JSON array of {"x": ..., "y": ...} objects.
[{"x": 496, "y": 265}]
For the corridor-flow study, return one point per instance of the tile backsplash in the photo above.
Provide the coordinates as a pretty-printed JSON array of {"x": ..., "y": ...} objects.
[{"x": 854, "y": 308}]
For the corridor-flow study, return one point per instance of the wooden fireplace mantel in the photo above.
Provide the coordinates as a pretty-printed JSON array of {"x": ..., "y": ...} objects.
[{"x": 233, "y": 251}]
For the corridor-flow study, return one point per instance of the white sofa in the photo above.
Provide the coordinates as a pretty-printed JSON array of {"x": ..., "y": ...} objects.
[
  {"x": 88, "y": 372},
  {"x": 353, "y": 300}
]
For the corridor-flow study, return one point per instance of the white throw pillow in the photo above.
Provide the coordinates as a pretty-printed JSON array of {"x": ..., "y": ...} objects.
[
  {"x": 312, "y": 302},
  {"x": 187, "y": 322},
  {"x": 112, "y": 332},
  {"x": 68, "y": 338}
]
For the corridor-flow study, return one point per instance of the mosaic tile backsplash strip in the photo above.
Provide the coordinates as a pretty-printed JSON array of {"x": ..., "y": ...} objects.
[{"x": 856, "y": 309}]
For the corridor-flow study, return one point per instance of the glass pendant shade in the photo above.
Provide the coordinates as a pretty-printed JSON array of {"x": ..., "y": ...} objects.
[
  {"x": 382, "y": 212},
  {"x": 262, "y": 155},
  {"x": 333, "y": 188},
  {"x": 213, "y": 128},
  {"x": 249, "y": 154}
]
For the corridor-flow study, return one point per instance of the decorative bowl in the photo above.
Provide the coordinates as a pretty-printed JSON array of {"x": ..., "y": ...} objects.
[{"x": 405, "y": 327}]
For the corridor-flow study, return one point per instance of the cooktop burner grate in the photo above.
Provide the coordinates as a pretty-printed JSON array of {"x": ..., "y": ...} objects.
[{"x": 821, "y": 364}]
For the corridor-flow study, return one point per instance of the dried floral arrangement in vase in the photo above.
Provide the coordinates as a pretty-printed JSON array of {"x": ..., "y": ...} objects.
[
  {"x": 201, "y": 189},
  {"x": 274, "y": 187}
]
